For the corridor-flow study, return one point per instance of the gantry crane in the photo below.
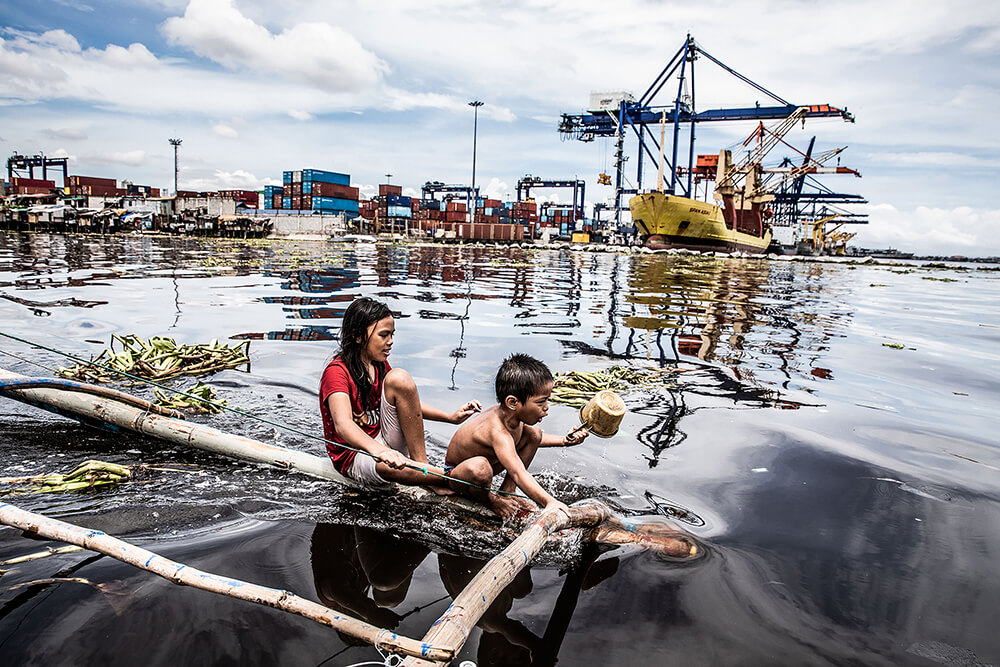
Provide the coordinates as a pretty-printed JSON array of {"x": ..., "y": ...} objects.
[
  {"x": 637, "y": 114},
  {"x": 525, "y": 185}
]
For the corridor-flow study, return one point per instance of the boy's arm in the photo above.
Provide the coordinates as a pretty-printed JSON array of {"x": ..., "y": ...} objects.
[
  {"x": 506, "y": 454},
  {"x": 574, "y": 437}
]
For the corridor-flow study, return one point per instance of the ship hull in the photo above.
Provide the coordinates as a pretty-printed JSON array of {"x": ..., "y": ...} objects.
[{"x": 669, "y": 221}]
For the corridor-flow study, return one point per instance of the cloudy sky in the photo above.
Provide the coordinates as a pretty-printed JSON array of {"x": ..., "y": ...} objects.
[{"x": 373, "y": 88}]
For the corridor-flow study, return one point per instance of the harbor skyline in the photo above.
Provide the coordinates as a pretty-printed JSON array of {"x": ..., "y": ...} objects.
[{"x": 254, "y": 89}]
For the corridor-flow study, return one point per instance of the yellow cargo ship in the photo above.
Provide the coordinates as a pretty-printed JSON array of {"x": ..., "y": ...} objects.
[{"x": 670, "y": 221}]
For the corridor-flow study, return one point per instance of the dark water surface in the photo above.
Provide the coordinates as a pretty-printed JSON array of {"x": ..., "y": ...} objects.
[{"x": 848, "y": 491}]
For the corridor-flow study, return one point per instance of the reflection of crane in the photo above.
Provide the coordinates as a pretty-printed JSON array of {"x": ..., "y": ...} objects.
[
  {"x": 525, "y": 184},
  {"x": 618, "y": 113}
]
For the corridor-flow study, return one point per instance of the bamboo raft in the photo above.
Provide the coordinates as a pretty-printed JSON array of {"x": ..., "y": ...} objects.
[{"x": 114, "y": 410}]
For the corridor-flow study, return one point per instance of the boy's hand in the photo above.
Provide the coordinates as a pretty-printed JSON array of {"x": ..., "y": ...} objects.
[
  {"x": 466, "y": 411},
  {"x": 392, "y": 458},
  {"x": 575, "y": 437}
]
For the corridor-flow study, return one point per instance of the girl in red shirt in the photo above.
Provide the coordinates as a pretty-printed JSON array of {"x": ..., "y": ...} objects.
[{"x": 370, "y": 406}]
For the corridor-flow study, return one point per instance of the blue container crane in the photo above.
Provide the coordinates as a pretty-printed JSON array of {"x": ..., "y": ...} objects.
[{"x": 637, "y": 114}]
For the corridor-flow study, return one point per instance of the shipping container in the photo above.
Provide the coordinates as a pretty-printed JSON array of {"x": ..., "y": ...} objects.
[
  {"x": 325, "y": 176},
  {"x": 397, "y": 200},
  {"x": 286, "y": 177},
  {"x": 390, "y": 189},
  {"x": 296, "y": 177},
  {"x": 399, "y": 212},
  {"x": 334, "y": 204},
  {"x": 32, "y": 183},
  {"x": 336, "y": 190},
  {"x": 92, "y": 180}
]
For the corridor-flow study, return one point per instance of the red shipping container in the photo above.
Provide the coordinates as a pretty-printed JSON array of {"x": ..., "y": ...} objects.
[
  {"x": 334, "y": 190},
  {"x": 456, "y": 206},
  {"x": 92, "y": 180},
  {"x": 296, "y": 188},
  {"x": 154, "y": 192},
  {"x": 32, "y": 182},
  {"x": 390, "y": 189},
  {"x": 296, "y": 201}
]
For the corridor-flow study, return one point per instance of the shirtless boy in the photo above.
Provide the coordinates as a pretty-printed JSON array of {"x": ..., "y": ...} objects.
[{"x": 505, "y": 437}]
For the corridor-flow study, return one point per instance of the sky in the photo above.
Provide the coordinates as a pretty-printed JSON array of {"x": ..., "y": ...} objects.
[{"x": 374, "y": 88}]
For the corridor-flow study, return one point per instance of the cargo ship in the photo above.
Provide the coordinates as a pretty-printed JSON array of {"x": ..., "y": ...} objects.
[
  {"x": 739, "y": 222},
  {"x": 671, "y": 221}
]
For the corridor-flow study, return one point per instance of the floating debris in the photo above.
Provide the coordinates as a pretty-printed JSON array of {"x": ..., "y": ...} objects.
[
  {"x": 575, "y": 388},
  {"x": 895, "y": 346},
  {"x": 87, "y": 475},
  {"x": 159, "y": 358},
  {"x": 209, "y": 403}
]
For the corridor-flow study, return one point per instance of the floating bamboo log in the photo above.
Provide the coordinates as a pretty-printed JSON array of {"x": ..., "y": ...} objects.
[
  {"x": 452, "y": 630},
  {"x": 179, "y": 573}
]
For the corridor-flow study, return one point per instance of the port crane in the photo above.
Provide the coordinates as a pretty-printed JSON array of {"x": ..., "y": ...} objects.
[
  {"x": 525, "y": 185},
  {"x": 18, "y": 164},
  {"x": 620, "y": 113},
  {"x": 432, "y": 188}
]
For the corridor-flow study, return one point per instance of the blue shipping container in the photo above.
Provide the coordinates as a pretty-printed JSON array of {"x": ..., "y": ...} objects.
[
  {"x": 334, "y": 204},
  {"x": 286, "y": 202},
  {"x": 307, "y": 187},
  {"x": 325, "y": 176},
  {"x": 399, "y": 212},
  {"x": 286, "y": 177},
  {"x": 397, "y": 200}
]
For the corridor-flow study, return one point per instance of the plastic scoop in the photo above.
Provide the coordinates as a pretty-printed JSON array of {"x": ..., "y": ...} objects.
[{"x": 602, "y": 415}]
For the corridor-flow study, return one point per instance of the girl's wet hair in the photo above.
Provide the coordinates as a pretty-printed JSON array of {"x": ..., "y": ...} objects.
[
  {"x": 361, "y": 314},
  {"x": 522, "y": 377}
]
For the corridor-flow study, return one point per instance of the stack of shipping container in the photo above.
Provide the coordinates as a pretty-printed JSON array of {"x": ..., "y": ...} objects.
[
  {"x": 248, "y": 198},
  {"x": 314, "y": 190},
  {"x": 93, "y": 186},
  {"x": 30, "y": 186}
]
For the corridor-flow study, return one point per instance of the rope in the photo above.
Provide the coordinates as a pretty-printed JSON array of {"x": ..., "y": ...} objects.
[{"x": 422, "y": 469}]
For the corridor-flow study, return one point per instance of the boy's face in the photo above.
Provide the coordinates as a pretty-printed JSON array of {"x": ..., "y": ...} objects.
[{"x": 536, "y": 407}]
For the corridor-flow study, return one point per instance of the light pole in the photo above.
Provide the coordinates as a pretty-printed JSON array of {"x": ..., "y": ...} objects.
[
  {"x": 475, "y": 104},
  {"x": 176, "y": 144}
]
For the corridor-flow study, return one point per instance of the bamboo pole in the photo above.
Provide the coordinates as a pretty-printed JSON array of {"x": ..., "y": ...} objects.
[
  {"x": 87, "y": 407},
  {"x": 452, "y": 630},
  {"x": 179, "y": 573}
]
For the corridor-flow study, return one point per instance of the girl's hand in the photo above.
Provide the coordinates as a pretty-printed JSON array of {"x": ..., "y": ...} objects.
[
  {"x": 392, "y": 458},
  {"x": 466, "y": 411}
]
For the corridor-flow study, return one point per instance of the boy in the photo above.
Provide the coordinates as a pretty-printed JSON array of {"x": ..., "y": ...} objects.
[{"x": 505, "y": 437}]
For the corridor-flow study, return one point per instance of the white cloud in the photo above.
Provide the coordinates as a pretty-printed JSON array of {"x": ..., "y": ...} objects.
[
  {"x": 134, "y": 158},
  {"x": 932, "y": 231},
  {"x": 224, "y": 130},
  {"x": 321, "y": 54},
  {"x": 224, "y": 180},
  {"x": 65, "y": 133},
  {"x": 300, "y": 115},
  {"x": 933, "y": 159}
]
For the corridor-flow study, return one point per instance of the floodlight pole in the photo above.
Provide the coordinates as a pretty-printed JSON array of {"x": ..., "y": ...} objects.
[
  {"x": 176, "y": 144},
  {"x": 475, "y": 104}
]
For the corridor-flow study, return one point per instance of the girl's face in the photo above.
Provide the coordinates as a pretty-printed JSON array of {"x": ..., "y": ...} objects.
[{"x": 379, "y": 340}]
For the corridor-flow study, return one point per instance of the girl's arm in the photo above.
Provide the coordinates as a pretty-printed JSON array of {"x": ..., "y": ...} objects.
[{"x": 343, "y": 422}]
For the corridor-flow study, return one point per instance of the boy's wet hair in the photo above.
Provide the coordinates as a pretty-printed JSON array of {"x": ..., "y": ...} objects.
[{"x": 522, "y": 377}]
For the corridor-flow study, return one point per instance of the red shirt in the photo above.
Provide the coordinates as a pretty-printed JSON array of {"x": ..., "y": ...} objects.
[{"x": 336, "y": 378}]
